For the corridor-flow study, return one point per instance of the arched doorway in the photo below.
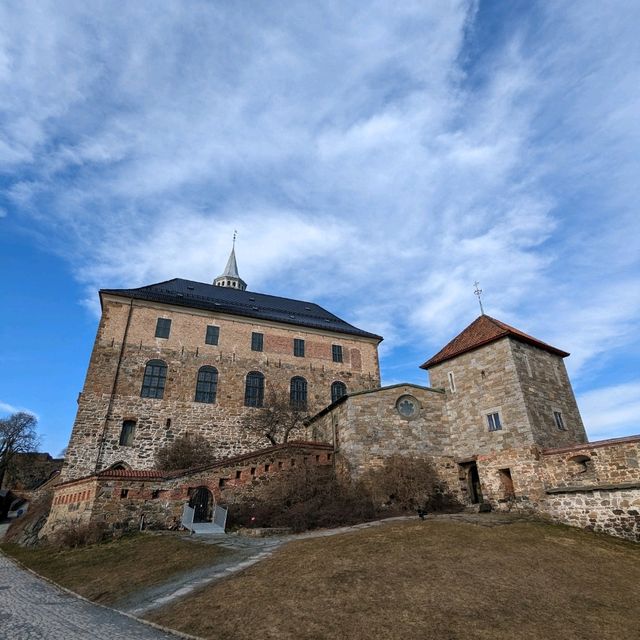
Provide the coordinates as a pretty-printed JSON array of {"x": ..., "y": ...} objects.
[{"x": 202, "y": 503}]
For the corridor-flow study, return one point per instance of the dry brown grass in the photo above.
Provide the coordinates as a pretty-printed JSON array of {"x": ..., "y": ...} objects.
[
  {"x": 439, "y": 580},
  {"x": 109, "y": 571}
]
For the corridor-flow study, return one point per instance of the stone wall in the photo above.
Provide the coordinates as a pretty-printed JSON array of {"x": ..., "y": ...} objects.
[
  {"x": 595, "y": 486},
  {"x": 369, "y": 427},
  {"x": 94, "y": 441},
  {"x": 546, "y": 388},
  {"x": 123, "y": 497},
  {"x": 495, "y": 378}
]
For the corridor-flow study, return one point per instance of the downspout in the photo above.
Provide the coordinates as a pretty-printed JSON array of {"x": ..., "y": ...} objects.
[{"x": 113, "y": 388}]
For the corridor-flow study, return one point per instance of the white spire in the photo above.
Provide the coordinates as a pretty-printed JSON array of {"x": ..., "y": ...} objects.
[{"x": 230, "y": 277}]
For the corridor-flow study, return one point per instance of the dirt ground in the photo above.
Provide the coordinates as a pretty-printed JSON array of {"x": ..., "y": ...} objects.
[{"x": 436, "y": 579}]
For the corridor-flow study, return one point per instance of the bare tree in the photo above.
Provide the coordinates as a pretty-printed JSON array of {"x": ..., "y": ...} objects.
[
  {"x": 184, "y": 453},
  {"x": 17, "y": 435},
  {"x": 278, "y": 419}
]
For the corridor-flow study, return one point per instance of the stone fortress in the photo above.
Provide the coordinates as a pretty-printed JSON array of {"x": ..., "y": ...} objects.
[{"x": 499, "y": 420}]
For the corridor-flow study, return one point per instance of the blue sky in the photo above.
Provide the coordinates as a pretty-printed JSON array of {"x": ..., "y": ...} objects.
[{"x": 376, "y": 158}]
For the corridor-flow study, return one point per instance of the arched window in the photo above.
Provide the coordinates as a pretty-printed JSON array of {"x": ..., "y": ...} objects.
[
  {"x": 207, "y": 385},
  {"x": 254, "y": 390},
  {"x": 155, "y": 374},
  {"x": 338, "y": 389},
  {"x": 298, "y": 393}
]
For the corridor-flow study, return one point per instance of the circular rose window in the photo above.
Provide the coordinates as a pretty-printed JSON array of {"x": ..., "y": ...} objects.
[{"x": 408, "y": 407}]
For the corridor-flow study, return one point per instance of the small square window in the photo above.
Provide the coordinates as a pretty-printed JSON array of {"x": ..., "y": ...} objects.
[
  {"x": 124, "y": 493},
  {"x": 298, "y": 347},
  {"x": 557, "y": 416},
  {"x": 213, "y": 334},
  {"x": 163, "y": 328},
  {"x": 155, "y": 494},
  {"x": 257, "y": 340},
  {"x": 493, "y": 419},
  {"x": 267, "y": 467},
  {"x": 253, "y": 471},
  {"x": 238, "y": 474},
  {"x": 336, "y": 350},
  {"x": 222, "y": 482}
]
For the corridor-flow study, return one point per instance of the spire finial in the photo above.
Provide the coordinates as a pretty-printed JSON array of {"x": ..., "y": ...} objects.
[
  {"x": 478, "y": 292},
  {"x": 235, "y": 235}
]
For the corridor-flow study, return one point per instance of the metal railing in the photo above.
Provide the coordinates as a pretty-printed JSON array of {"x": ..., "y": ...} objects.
[{"x": 187, "y": 517}]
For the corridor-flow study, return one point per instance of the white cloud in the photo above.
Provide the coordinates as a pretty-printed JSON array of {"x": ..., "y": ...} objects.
[
  {"x": 371, "y": 156},
  {"x": 8, "y": 409},
  {"x": 611, "y": 411}
]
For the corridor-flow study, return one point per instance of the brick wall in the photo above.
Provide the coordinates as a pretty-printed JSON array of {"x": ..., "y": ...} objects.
[
  {"x": 122, "y": 497},
  {"x": 185, "y": 351}
]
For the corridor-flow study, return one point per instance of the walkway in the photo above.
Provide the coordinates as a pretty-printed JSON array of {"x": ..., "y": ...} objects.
[{"x": 32, "y": 609}]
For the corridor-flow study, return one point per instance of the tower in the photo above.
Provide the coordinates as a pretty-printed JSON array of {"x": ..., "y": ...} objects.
[{"x": 230, "y": 276}]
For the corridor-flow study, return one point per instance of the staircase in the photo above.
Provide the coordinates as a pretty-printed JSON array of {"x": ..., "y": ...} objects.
[
  {"x": 208, "y": 528},
  {"x": 216, "y": 527}
]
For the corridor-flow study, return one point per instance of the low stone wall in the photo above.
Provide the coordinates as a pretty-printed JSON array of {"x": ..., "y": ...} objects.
[
  {"x": 128, "y": 497},
  {"x": 595, "y": 486}
]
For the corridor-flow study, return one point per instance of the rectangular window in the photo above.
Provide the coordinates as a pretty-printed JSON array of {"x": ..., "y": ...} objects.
[
  {"x": 557, "y": 416},
  {"x": 336, "y": 350},
  {"x": 163, "y": 328},
  {"x": 238, "y": 475},
  {"x": 124, "y": 493},
  {"x": 213, "y": 334},
  {"x": 298, "y": 347},
  {"x": 256, "y": 341},
  {"x": 452, "y": 381},
  {"x": 493, "y": 419},
  {"x": 126, "y": 435}
]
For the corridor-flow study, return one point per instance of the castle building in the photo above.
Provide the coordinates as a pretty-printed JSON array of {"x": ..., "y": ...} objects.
[
  {"x": 498, "y": 421},
  {"x": 181, "y": 357}
]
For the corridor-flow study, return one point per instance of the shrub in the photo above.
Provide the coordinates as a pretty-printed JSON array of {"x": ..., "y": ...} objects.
[
  {"x": 406, "y": 483},
  {"x": 80, "y": 534},
  {"x": 184, "y": 453}
]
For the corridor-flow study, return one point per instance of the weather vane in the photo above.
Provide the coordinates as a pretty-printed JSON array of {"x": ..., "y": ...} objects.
[
  {"x": 478, "y": 292},
  {"x": 235, "y": 234}
]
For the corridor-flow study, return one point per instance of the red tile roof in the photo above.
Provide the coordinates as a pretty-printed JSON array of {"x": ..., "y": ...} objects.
[{"x": 481, "y": 331}]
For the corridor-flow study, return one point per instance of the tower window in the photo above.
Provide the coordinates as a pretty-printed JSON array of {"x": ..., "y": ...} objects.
[
  {"x": 298, "y": 393},
  {"x": 338, "y": 389},
  {"x": 493, "y": 419},
  {"x": 163, "y": 328},
  {"x": 207, "y": 385},
  {"x": 126, "y": 434},
  {"x": 155, "y": 375},
  {"x": 298, "y": 347},
  {"x": 257, "y": 340},
  {"x": 336, "y": 351},
  {"x": 557, "y": 416},
  {"x": 452, "y": 381},
  {"x": 254, "y": 390},
  {"x": 213, "y": 334}
]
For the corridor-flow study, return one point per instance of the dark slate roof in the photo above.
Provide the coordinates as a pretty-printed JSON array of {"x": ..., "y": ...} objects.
[
  {"x": 481, "y": 331},
  {"x": 198, "y": 295}
]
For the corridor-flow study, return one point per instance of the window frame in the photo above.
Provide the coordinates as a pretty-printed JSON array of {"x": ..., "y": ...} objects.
[
  {"x": 257, "y": 341},
  {"x": 298, "y": 393},
  {"x": 127, "y": 432},
  {"x": 163, "y": 325},
  {"x": 208, "y": 395},
  {"x": 493, "y": 424},
  {"x": 214, "y": 335},
  {"x": 559, "y": 420},
  {"x": 259, "y": 390},
  {"x": 335, "y": 384},
  {"x": 452, "y": 381},
  {"x": 298, "y": 347},
  {"x": 337, "y": 353},
  {"x": 153, "y": 383}
]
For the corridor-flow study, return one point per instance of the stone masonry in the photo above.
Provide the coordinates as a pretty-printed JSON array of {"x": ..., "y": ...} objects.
[{"x": 125, "y": 342}]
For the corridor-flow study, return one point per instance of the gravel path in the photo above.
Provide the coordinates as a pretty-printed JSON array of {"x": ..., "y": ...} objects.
[{"x": 32, "y": 609}]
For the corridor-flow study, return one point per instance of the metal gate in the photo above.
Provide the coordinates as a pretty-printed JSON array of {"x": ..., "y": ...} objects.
[{"x": 203, "y": 504}]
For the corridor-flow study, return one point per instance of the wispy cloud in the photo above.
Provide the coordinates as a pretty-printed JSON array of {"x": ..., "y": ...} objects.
[
  {"x": 611, "y": 411},
  {"x": 7, "y": 409},
  {"x": 376, "y": 158}
]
